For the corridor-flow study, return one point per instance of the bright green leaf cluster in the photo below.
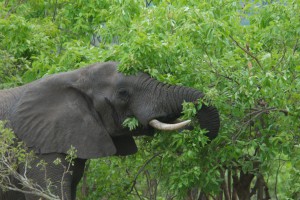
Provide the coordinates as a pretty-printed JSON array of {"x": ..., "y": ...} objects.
[{"x": 131, "y": 123}]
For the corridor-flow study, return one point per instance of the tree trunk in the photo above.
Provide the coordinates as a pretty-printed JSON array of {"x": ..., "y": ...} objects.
[{"x": 242, "y": 185}]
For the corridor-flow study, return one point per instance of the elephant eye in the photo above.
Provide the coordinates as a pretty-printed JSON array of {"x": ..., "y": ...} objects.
[{"x": 123, "y": 94}]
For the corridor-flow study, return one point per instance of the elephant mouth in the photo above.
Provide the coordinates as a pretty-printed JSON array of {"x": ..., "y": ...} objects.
[{"x": 162, "y": 126}]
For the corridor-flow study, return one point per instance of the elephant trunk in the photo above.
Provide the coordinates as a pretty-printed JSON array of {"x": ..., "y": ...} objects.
[
  {"x": 178, "y": 94},
  {"x": 208, "y": 116}
]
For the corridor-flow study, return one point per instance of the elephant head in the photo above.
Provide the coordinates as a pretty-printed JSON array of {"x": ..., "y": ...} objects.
[{"x": 85, "y": 108}]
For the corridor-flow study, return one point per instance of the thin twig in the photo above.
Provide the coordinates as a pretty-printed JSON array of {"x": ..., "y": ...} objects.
[
  {"x": 135, "y": 189},
  {"x": 296, "y": 46},
  {"x": 227, "y": 77},
  {"x": 84, "y": 187},
  {"x": 246, "y": 51},
  {"x": 224, "y": 185},
  {"x": 148, "y": 183},
  {"x": 255, "y": 114},
  {"x": 148, "y": 3},
  {"x": 229, "y": 183},
  {"x": 13, "y": 9},
  {"x": 55, "y": 11},
  {"x": 276, "y": 179},
  {"x": 141, "y": 169},
  {"x": 282, "y": 57},
  {"x": 217, "y": 73},
  {"x": 137, "y": 193}
]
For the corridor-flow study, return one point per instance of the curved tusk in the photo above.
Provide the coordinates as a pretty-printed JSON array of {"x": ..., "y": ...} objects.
[{"x": 168, "y": 127}]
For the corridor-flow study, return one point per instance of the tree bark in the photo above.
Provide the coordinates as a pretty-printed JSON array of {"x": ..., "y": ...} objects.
[{"x": 242, "y": 185}]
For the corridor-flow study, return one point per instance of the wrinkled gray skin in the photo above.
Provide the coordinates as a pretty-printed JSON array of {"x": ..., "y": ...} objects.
[{"x": 85, "y": 108}]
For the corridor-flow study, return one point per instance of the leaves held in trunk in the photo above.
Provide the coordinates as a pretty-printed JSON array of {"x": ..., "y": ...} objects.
[{"x": 131, "y": 123}]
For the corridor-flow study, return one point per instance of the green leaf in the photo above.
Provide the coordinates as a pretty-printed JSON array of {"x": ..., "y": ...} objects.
[{"x": 131, "y": 123}]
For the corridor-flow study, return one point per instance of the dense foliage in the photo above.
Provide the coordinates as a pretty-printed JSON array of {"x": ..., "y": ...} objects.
[{"x": 244, "y": 56}]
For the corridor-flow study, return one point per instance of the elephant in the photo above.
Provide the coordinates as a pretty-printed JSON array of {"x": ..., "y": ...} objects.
[{"x": 85, "y": 108}]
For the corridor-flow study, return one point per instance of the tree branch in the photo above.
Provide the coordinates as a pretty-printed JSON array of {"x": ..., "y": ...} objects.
[
  {"x": 84, "y": 187},
  {"x": 13, "y": 8},
  {"x": 276, "y": 179},
  {"x": 246, "y": 51},
  {"x": 225, "y": 185},
  {"x": 296, "y": 46},
  {"x": 55, "y": 11},
  {"x": 148, "y": 3},
  {"x": 141, "y": 170}
]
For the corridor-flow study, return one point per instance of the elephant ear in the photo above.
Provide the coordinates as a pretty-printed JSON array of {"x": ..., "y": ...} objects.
[{"x": 51, "y": 116}]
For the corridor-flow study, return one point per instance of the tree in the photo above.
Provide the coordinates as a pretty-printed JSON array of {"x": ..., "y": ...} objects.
[{"x": 249, "y": 72}]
